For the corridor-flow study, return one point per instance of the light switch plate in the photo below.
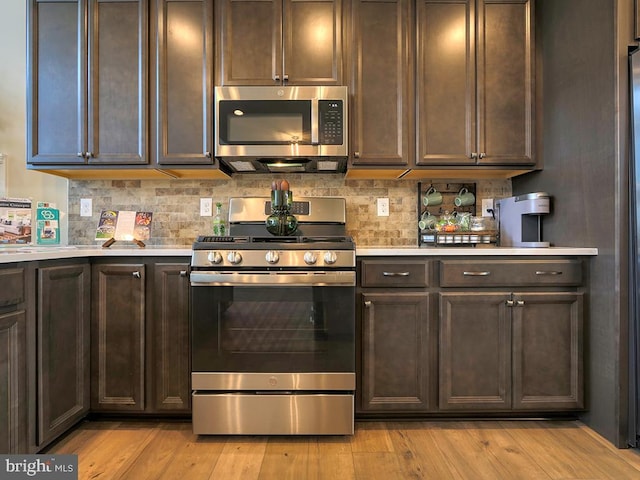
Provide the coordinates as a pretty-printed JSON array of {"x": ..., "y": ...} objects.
[
  {"x": 206, "y": 207},
  {"x": 383, "y": 207},
  {"x": 86, "y": 207}
]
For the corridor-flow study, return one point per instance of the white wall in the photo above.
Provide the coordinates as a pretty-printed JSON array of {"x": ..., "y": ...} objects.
[{"x": 13, "y": 81}]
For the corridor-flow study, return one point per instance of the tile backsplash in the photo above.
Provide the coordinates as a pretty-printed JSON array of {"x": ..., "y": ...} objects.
[{"x": 176, "y": 204}]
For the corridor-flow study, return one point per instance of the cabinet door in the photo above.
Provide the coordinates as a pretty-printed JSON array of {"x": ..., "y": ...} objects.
[
  {"x": 249, "y": 47},
  {"x": 505, "y": 68},
  {"x": 57, "y": 82},
  {"x": 13, "y": 382},
  {"x": 475, "y": 351},
  {"x": 547, "y": 351},
  {"x": 117, "y": 337},
  {"x": 381, "y": 82},
  {"x": 182, "y": 87},
  {"x": 63, "y": 318},
  {"x": 171, "y": 372},
  {"x": 312, "y": 42},
  {"x": 117, "y": 114},
  {"x": 446, "y": 82},
  {"x": 395, "y": 352}
]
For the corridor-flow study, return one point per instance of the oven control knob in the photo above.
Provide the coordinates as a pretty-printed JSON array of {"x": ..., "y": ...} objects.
[
  {"x": 310, "y": 258},
  {"x": 272, "y": 257},
  {"x": 234, "y": 258},
  {"x": 214, "y": 257},
  {"x": 330, "y": 258}
]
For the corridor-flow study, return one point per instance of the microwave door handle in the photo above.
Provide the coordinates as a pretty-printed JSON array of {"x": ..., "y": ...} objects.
[{"x": 314, "y": 121}]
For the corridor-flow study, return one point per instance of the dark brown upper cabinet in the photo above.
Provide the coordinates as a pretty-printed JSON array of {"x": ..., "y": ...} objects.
[
  {"x": 279, "y": 42},
  {"x": 182, "y": 82},
  {"x": 381, "y": 82},
  {"x": 475, "y": 82},
  {"x": 87, "y": 71}
]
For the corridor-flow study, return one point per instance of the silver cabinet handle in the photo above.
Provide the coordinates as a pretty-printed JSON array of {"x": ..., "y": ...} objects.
[
  {"x": 285, "y": 78},
  {"x": 89, "y": 154},
  {"x": 367, "y": 304},
  {"x": 482, "y": 155},
  {"x": 520, "y": 303},
  {"x": 80, "y": 154},
  {"x": 136, "y": 274},
  {"x": 550, "y": 272},
  {"x": 277, "y": 77},
  {"x": 509, "y": 303},
  {"x": 396, "y": 274},
  {"x": 476, "y": 274},
  {"x": 473, "y": 155},
  {"x": 183, "y": 273},
  {"x": 356, "y": 154},
  {"x": 207, "y": 154}
]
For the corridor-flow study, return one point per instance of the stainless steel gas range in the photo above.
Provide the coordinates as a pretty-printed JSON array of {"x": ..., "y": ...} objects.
[{"x": 273, "y": 323}]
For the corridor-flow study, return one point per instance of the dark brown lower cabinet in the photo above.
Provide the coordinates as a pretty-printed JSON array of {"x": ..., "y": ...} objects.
[
  {"x": 395, "y": 351},
  {"x": 62, "y": 358},
  {"x": 118, "y": 337},
  {"x": 511, "y": 351},
  {"x": 13, "y": 383},
  {"x": 14, "y": 377},
  {"x": 140, "y": 337},
  {"x": 547, "y": 351},
  {"x": 170, "y": 338}
]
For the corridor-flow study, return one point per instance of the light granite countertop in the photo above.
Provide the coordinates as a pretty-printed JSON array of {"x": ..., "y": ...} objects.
[
  {"x": 472, "y": 251},
  {"x": 30, "y": 253}
]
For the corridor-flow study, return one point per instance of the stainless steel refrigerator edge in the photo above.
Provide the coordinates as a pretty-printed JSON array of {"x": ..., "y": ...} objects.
[{"x": 634, "y": 254}]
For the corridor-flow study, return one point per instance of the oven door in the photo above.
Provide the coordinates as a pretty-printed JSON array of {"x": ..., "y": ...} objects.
[{"x": 273, "y": 331}]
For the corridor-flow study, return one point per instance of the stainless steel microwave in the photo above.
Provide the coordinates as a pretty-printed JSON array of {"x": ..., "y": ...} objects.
[{"x": 282, "y": 128}]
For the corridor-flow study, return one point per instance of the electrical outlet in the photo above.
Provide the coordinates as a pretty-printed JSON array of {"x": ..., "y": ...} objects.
[
  {"x": 383, "y": 207},
  {"x": 86, "y": 207},
  {"x": 487, "y": 204},
  {"x": 206, "y": 207}
]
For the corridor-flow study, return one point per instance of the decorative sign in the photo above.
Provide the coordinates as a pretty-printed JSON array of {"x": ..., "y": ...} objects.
[
  {"x": 47, "y": 224},
  {"x": 15, "y": 220},
  {"x": 124, "y": 225}
]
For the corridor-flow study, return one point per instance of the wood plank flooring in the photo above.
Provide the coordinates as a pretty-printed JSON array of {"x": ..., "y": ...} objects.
[{"x": 439, "y": 450}]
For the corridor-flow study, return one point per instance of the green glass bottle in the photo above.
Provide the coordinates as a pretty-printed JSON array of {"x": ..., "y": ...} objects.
[{"x": 219, "y": 227}]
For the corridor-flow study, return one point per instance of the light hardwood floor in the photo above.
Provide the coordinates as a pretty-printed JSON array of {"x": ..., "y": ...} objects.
[{"x": 439, "y": 450}]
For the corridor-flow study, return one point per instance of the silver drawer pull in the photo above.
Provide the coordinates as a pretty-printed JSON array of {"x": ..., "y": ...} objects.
[
  {"x": 136, "y": 275},
  {"x": 476, "y": 274},
  {"x": 367, "y": 303},
  {"x": 551, "y": 272},
  {"x": 520, "y": 303},
  {"x": 395, "y": 274}
]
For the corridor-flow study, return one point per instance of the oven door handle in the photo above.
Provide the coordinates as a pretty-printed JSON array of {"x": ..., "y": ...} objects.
[{"x": 293, "y": 279}]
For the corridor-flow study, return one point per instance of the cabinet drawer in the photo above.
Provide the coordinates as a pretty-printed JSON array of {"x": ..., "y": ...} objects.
[
  {"x": 12, "y": 291},
  {"x": 510, "y": 273},
  {"x": 383, "y": 273}
]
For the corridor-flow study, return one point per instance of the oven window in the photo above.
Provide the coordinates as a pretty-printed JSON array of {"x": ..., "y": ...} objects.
[
  {"x": 264, "y": 122},
  {"x": 273, "y": 329}
]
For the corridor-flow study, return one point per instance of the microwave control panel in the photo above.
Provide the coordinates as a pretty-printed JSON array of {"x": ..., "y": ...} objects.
[{"x": 331, "y": 124}]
